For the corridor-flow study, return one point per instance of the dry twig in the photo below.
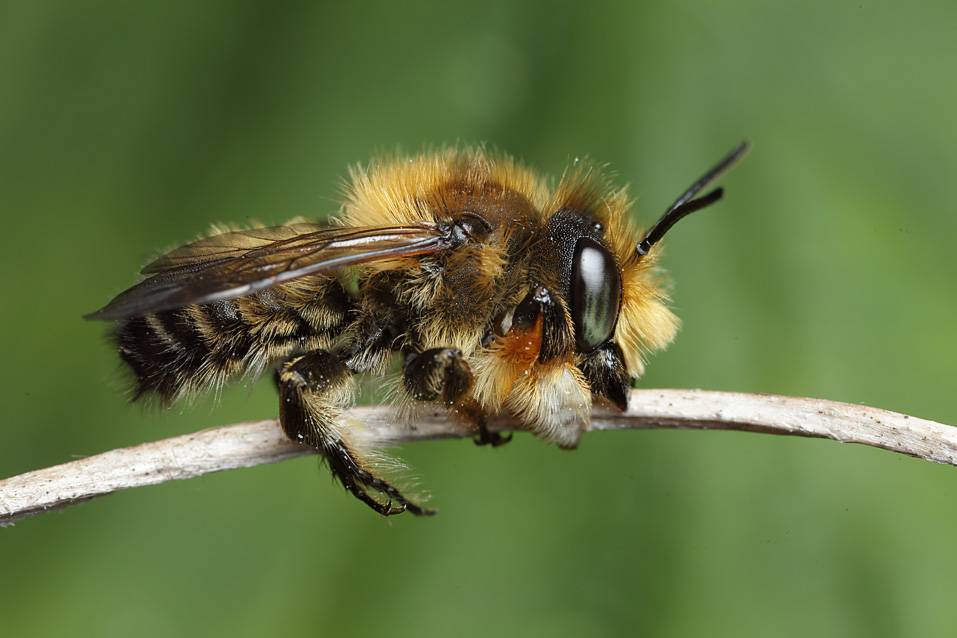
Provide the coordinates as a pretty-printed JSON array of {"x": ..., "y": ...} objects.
[{"x": 256, "y": 443}]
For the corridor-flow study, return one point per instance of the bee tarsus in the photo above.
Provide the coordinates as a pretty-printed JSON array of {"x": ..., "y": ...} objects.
[{"x": 487, "y": 437}]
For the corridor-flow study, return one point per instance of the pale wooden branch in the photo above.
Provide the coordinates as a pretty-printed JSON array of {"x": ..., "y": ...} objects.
[{"x": 260, "y": 442}]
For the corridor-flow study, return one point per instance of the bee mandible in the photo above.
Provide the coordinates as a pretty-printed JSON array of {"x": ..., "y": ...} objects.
[{"x": 496, "y": 291}]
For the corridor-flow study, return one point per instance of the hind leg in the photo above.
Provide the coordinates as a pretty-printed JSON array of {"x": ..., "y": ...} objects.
[
  {"x": 312, "y": 389},
  {"x": 442, "y": 374}
]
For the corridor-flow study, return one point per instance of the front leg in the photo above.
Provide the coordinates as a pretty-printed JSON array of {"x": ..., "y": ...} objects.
[
  {"x": 313, "y": 389},
  {"x": 443, "y": 375}
]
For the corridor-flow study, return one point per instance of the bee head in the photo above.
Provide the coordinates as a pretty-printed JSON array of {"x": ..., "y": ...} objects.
[{"x": 595, "y": 283}]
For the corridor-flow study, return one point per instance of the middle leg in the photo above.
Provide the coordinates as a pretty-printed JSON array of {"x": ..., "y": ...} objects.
[{"x": 443, "y": 375}]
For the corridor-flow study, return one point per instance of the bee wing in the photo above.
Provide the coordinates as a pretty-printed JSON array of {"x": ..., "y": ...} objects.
[
  {"x": 239, "y": 263},
  {"x": 232, "y": 244}
]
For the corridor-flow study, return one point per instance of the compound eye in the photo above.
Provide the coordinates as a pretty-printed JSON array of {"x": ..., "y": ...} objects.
[{"x": 595, "y": 294}]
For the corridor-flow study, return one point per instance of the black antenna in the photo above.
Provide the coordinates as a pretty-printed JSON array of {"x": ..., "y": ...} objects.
[{"x": 685, "y": 205}]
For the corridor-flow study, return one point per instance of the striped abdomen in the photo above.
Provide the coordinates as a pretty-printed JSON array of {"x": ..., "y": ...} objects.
[{"x": 190, "y": 349}]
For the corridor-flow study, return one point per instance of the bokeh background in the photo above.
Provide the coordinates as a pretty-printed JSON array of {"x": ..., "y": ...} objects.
[{"x": 828, "y": 271}]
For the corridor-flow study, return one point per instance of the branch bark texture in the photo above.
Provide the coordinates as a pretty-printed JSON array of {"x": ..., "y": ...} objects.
[{"x": 260, "y": 442}]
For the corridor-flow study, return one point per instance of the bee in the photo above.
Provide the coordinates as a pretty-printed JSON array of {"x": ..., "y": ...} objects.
[{"x": 496, "y": 291}]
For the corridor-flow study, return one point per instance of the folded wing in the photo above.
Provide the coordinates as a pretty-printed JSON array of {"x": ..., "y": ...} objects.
[{"x": 239, "y": 263}]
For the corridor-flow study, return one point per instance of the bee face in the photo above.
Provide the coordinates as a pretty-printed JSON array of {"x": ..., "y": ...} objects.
[
  {"x": 594, "y": 305},
  {"x": 569, "y": 318},
  {"x": 588, "y": 302}
]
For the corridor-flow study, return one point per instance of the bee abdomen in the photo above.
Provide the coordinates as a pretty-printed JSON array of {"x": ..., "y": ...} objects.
[
  {"x": 164, "y": 351},
  {"x": 190, "y": 349}
]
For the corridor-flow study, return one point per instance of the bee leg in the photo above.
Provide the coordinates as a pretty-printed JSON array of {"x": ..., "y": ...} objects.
[
  {"x": 442, "y": 374},
  {"x": 313, "y": 388},
  {"x": 487, "y": 437}
]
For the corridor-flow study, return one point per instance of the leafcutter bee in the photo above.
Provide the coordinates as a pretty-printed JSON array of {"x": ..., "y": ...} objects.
[{"x": 496, "y": 290}]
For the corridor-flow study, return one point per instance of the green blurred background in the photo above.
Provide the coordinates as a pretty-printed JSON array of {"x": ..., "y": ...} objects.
[{"x": 828, "y": 271}]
